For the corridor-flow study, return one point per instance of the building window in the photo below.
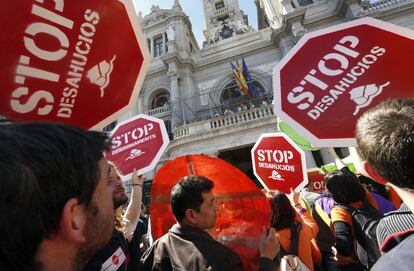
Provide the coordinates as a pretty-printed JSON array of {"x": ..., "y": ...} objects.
[
  {"x": 232, "y": 97},
  {"x": 158, "y": 46},
  {"x": 160, "y": 100},
  {"x": 301, "y": 3},
  {"x": 219, "y": 5}
]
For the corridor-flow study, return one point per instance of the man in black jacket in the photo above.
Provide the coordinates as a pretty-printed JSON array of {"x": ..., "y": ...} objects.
[{"x": 187, "y": 246}]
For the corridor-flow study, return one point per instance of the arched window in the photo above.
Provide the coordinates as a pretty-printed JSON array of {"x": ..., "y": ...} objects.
[
  {"x": 231, "y": 94},
  {"x": 160, "y": 99},
  {"x": 158, "y": 44}
]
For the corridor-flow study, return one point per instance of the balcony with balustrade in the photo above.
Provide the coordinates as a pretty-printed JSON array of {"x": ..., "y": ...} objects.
[
  {"x": 223, "y": 132},
  {"x": 229, "y": 122},
  {"x": 160, "y": 112},
  {"x": 370, "y": 7}
]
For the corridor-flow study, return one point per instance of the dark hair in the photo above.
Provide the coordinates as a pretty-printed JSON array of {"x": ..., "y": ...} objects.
[
  {"x": 344, "y": 186},
  {"x": 42, "y": 166},
  {"x": 282, "y": 213},
  {"x": 187, "y": 194},
  {"x": 385, "y": 137}
]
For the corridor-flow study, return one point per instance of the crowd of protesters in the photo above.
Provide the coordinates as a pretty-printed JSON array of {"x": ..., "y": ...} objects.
[{"x": 64, "y": 207}]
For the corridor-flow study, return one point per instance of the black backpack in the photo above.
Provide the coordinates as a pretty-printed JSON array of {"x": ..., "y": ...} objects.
[{"x": 365, "y": 221}]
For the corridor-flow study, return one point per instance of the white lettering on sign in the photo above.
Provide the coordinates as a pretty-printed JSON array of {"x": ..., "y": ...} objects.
[
  {"x": 132, "y": 138},
  {"x": 77, "y": 64},
  {"x": 275, "y": 156},
  {"x": 136, "y": 143},
  {"x": 33, "y": 99},
  {"x": 52, "y": 25},
  {"x": 272, "y": 159},
  {"x": 336, "y": 63},
  {"x": 277, "y": 166},
  {"x": 318, "y": 185}
]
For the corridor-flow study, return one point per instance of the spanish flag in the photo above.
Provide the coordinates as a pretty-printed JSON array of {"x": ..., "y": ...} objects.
[{"x": 241, "y": 81}]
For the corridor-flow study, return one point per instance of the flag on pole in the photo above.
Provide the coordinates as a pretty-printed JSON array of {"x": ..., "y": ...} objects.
[
  {"x": 241, "y": 82},
  {"x": 248, "y": 78},
  {"x": 242, "y": 78}
]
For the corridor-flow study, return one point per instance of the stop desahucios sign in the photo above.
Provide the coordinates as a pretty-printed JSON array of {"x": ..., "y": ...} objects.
[
  {"x": 77, "y": 62},
  {"x": 334, "y": 75},
  {"x": 138, "y": 143},
  {"x": 278, "y": 163}
]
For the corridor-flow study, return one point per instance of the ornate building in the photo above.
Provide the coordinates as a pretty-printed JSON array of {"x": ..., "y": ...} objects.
[{"x": 193, "y": 89}]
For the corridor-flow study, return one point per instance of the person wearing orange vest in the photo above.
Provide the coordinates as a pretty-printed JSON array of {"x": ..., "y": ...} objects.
[
  {"x": 287, "y": 212},
  {"x": 346, "y": 190}
]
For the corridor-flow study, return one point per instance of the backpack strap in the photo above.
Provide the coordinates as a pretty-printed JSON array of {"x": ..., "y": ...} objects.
[
  {"x": 280, "y": 255},
  {"x": 294, "y": 243},
  {"x": 294, "y": 239},
  {"x": 282, "y": 252}
]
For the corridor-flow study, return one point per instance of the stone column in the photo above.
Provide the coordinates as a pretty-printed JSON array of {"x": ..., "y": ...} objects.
[
  {"x": 152, "y": 47},
  {"x": 326, "y": 157},
  {"x": 188, "y": 91},
  {"x": 310, "y": 161},
  {"x": 171, "y": 46},
  {"x": 175, "y": 100},
  {"x": 260, "y": 14},
  {"x": 140, "y": 103}
]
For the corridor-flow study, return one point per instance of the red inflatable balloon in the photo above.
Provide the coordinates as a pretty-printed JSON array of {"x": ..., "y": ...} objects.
[{"x": 243, "y": 209}]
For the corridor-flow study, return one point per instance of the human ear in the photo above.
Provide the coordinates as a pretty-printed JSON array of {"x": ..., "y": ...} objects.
[
  {"x": 372, "y": 173},
  {"x": 72, "y": 221},
  {"x": 190, "y": 215}
]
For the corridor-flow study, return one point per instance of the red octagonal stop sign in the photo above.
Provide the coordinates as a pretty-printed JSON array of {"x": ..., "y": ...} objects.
[
  {"x": 78, "y": 62},
  {"x": 278, "y": 163},
  {"x": 138, "y": 143},
  {"x": 334, "y": 75}
]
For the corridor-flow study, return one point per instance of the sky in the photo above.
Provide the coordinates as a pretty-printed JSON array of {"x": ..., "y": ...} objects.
[{"x": 194, "y": 9}]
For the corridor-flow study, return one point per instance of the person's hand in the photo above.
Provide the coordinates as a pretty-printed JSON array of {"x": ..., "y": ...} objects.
[
  {"x": 269, "y": 244},
  {"x": 294, "y": 198},
  {"x": 137, "y": 180}
]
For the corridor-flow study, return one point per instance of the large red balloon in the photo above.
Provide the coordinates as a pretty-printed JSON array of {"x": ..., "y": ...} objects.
[{"x": 243, "y": 209}]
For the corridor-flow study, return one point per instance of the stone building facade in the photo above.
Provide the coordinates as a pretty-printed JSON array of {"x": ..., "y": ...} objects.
[{"x": 193, "y": 89}]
